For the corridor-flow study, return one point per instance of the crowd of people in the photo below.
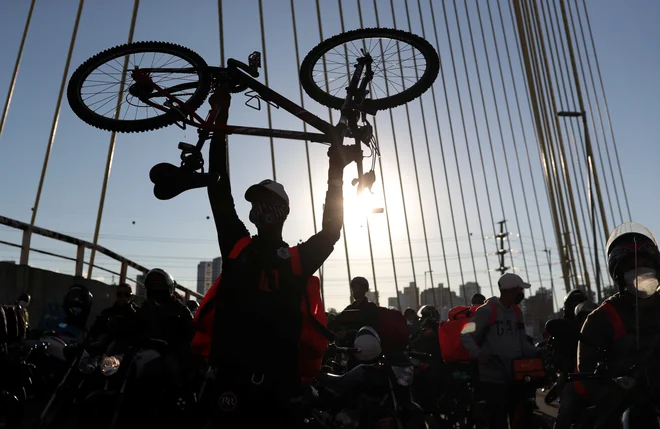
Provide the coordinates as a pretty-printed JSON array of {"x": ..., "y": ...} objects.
[{"x": 263, "y": 331}]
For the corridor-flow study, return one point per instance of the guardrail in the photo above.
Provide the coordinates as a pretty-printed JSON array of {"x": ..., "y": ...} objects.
[{"x": 80, "y": 255}]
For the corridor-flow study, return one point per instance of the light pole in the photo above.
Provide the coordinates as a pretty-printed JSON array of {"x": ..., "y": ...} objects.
[
  {"x": 552, "y": 279},
  {"x": 591, "y": 182}
]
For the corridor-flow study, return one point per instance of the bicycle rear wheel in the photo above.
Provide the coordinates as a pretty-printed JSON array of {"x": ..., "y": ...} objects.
[
  {"x": 404, "y": 66},
  {"x": 93, "y": 90}
]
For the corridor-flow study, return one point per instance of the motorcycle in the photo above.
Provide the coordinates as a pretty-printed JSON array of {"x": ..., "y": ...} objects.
[
  {"x": 634, "y": 395},
  {"x": 375, "y": 393},
  {"x": 134, "y": 393}
]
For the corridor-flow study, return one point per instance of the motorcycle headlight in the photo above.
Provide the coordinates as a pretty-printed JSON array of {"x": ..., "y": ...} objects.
[
  {"x": 88, "y": 364},
  {"x": 110, "y": 365},
  {"x": 404, "y": 374}
]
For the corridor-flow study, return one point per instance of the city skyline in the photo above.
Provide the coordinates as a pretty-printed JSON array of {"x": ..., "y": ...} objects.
[{"x": 451, "y": 247}]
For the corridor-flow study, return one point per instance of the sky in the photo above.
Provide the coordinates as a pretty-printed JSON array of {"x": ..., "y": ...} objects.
[{"x": 177, "y": 234}]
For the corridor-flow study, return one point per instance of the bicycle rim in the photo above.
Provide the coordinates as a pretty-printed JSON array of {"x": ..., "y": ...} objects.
[{"x": 404, "y": 67}]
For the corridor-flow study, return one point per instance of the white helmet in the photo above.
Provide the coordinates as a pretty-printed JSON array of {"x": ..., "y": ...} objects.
[{"x": 368, "y": 341}]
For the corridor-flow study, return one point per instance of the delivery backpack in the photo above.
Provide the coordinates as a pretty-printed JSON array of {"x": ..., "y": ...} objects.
[
  {"x": 449, "y": 332},
  {"x": 314, "y": 334}
]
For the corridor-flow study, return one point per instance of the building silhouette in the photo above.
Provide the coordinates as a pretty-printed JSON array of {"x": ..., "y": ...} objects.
[
  {"x": 408, "y": 298},
  {"x": 537, "y": 310},
  {"x": 204, "y": 276},
  {"x": 372, "y": 296},
  {"x": 467, "y": 290}
]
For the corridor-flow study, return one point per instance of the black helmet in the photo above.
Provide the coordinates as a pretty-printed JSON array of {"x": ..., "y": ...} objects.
[
  {"x": 584, "y": 308},
  {"x": 428, "y": 312},
  {"x": 409, "y": 312},
  {"x": 77, "y": 305},
  {"x": 627, "y": 241},
  {"x": 159, "y": 284},
  {"x": 574, "y": 297}
]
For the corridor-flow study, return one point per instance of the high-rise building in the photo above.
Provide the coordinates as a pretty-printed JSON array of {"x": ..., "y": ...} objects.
[
  {"x": 216, "y": 267},
  {"x": 467, "y": 290},
  {"x": 204, "y": 276},
  {"x": 140, "y": 291},
  {"x": 372, "y": 296},
  {"x": 408, "y": 298},
  {"x": 537, "y": 310}
]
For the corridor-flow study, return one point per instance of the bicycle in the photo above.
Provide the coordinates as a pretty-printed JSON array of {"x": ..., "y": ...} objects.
[{"x": 150, "y": 86}]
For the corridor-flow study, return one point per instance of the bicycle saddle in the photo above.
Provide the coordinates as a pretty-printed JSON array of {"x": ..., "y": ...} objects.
[{"x": 170, "y": 180}]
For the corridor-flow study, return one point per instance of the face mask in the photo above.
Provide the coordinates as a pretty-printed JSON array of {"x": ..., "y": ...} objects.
[
  {"x": 23, "y": 304},
  {"x": 519, "y": 298},
  {"x": 642, "y": 282},
  {"x": 267, "y": 216}
]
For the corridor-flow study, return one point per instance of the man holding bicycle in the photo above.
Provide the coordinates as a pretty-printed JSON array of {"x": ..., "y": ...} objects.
[{"x": 257, "y": 307}]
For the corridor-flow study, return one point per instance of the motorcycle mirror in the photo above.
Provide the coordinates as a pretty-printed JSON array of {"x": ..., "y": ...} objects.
[{"x": 562, "y": 328}]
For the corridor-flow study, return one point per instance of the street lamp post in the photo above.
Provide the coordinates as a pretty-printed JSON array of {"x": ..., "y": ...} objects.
[
  {"x": 552, "y": 280},
  {"x": 591, "y": 180}
]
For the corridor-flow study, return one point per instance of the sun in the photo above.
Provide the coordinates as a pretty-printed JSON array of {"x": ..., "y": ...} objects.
[{"x": 357, "y": 207}]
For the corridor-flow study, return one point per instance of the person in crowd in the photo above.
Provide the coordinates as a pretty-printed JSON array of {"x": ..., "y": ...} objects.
[
  {"x": 259, "y": 380},
  {"x": 495, "y": 337}
]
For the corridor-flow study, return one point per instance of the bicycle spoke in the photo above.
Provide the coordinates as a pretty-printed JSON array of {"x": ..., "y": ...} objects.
[
  {"x": 100, "y": 91},
  {"x": 396, "y": 66}
]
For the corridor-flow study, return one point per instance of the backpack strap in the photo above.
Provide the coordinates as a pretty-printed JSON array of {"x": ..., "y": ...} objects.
[
  {"x": 617, "y": 324},
  {"x": 493, "y": 313},
  {"x": 239, "y": 246}
]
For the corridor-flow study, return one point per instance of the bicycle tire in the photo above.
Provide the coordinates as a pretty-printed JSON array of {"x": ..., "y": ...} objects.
[
  {"x": 409, "y": 94},
  {"x": 140, "y": 125}
]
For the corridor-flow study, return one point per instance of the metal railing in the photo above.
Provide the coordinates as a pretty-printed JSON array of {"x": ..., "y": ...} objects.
[{"x": 80, "y": 254}]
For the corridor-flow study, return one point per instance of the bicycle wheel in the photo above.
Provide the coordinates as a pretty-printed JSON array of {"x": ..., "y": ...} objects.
[
  {"x": 93, "y": 90},
  {"x": 327, "y": 69}
]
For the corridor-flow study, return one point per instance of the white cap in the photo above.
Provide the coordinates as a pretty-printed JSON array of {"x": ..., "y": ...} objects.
[
  {"x": 268, "y": 185},
  {"x": 512, "y": 281}
]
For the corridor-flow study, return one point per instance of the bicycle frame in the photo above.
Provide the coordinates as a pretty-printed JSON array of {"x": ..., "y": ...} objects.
[
  {"x": 238, "y": 74},
  {"x": 190, "y": 117}
]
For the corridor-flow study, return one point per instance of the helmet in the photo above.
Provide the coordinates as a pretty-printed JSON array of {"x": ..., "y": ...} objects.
[
  {"x": 368, "y": 341},
  {"x": 575, "y": 297},
  {"x": 409, "y": 312},
  {"x": 585, "y": 308},
  {"x": 159, "y": 284},
  {"x": 428, "y": 312},
  {"x": 630, "y": 240},
  {"x": 77, "y": 304}
]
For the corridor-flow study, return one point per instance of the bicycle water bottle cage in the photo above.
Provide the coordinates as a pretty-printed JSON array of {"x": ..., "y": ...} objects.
[{"x": 251, "y": 95}]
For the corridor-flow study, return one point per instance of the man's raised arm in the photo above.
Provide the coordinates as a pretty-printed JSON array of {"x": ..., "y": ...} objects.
[
  {"x": 318, "y": 248},
  {"x": 229, "y": 227}
]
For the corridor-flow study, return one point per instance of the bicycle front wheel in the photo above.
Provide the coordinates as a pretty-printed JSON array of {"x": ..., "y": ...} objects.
[
  {"x": 404, "y": 66},
  {"x": 94, "y": 96}
]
